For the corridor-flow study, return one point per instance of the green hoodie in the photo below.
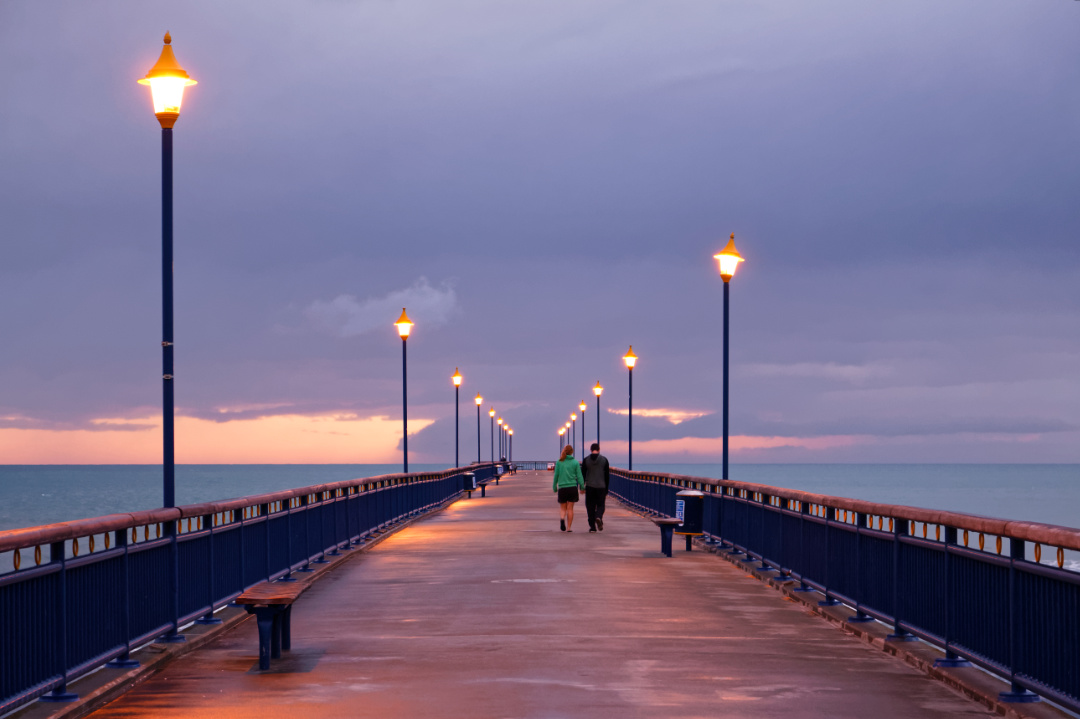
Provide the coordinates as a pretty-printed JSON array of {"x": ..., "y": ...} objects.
[{"x": 568, "y": 474}]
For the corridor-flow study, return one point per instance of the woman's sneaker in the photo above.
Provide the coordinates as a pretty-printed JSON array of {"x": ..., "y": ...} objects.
[
  {"x": 562, "y": 525},
  {"x": 600, "y": 524}
]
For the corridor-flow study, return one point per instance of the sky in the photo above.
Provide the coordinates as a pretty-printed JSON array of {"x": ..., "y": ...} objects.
[{"x": 543, "y": 184}]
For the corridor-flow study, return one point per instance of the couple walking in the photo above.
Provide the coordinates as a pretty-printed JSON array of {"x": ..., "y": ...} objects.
[{"x": 593, "y": 475}]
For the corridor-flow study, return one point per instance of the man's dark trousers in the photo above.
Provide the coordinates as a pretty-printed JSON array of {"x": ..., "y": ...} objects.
[{"x": 595, "y": 498}]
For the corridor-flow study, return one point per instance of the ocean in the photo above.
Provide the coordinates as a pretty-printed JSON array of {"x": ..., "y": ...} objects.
[{"x": 31, "y": 495}]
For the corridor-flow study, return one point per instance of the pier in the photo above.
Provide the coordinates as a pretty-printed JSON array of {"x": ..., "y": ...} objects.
[{"x": 483, "y": 607}]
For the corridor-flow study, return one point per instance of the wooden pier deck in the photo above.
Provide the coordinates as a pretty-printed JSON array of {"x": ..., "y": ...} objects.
[{"x": 486, "y": 609}]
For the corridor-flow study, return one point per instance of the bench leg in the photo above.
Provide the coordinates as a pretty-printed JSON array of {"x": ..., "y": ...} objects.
[
  {"x": 264, "y": 616},
  {"x": 666, "y": 532},
  {"x": 483, "y": 490},
  {"x": 275, "y": 636},
  {"x": 286, "y": 629}
]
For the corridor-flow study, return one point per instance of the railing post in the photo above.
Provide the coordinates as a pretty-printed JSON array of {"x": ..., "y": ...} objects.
[
  {"x": 950, "y": 659},
  {"x": 207, "y": 522},
  {"x": 237, "y": 517},
  {"x": 860, "y": 525},
  {"x": 830, "y": 516},
  {"x": 124, "y": 661},
  {"x": 763, "y": 510},
  {"x": 60, "y": 694},
  {"x": 1016, "y": 694},
  {"x": 900, "y": 529},
  {"x": 172, "y": 531}
]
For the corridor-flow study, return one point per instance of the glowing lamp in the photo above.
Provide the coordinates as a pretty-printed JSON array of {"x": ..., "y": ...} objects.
[
  {"x": 629, "y": 358},
  {"x": 404, "y": 325},
  {"x": 479, "y": 399},
  {"x": 729, "y": 259},
  {"x": 491, "y": 412},
  {"x": 167, "y": 81},
  {"x": 573, "y": 416},
  {"x": 499, "y": 421},
  {"x": 582, "y": 406},
  {"x": 598, "y": 390},
  {"x": 456, "y": 378},
  {"x": 510, "y": 432}
]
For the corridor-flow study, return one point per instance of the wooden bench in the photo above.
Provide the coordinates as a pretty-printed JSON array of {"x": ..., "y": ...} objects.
[
  {"x": 271, "y": 603},
  {"x": 667, "y": 529}
]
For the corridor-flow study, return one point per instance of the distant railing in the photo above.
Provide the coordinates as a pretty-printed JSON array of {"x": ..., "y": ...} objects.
[
  {"x": 983, "y": 589},
  {"x": 541, "y": 465},
  {"x": 76, "y": 595}
]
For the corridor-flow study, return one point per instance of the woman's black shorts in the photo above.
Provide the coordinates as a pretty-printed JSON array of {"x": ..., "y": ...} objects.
[{"x": 568, "y": 494}]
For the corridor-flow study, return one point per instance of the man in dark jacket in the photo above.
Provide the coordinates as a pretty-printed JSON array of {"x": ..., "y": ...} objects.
[{"x": 597, "y": 473}]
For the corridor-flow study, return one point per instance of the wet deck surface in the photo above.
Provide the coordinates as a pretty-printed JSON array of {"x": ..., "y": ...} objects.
[{"x": 486, "y": 609}]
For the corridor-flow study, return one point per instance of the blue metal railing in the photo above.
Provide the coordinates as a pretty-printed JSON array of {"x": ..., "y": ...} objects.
[
  {"x": 79, "y": 594},
  {"x": 997, "y": 604}
]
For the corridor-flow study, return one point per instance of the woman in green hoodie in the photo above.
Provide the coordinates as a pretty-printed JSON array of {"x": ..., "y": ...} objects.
[{"x": 567, "y": 481}]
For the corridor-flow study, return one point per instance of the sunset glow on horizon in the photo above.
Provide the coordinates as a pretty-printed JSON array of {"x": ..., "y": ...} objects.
[{"x": 281, "y": 439}]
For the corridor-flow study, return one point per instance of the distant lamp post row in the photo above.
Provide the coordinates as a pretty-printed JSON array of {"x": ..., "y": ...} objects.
[{"x": 728, "y": 259}]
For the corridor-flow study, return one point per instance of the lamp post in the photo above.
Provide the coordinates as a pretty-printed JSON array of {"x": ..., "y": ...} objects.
[
  {"x": 511, "y": 456},
  {"x": 491, "y": 413},
  {"x": 499, "y": 422},
  {"x": 729, "y": 259},
  {"x": 562, "y": 432},
  {"x": 631, "y": 359},
  {"x": 456, "y": 379},
  {"x": 167, "y": 80},
  {"x": 581, "y": 406},
  {"x": 598, "y": 390},
  {"x": 404, "y": 326},
  {"x": 479, "y": 401},
  {"x": 573, "y": 432}
]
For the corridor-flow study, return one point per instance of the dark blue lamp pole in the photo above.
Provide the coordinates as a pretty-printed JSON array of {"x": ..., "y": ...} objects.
[
  {"x": 491, "y": 414},
  {"x": 573, "y": 431},
  {"x": 404, "y": 326},
  {"x": 729, "y": 260},
  {"x": 457, "y": 404},
  {"x": 167, "y": 81},
  {"x": 479, "y": 401},
  {"x": 510, "y": 439},
  {"x": 631, "y": 359},
  {"x": 598, "y": 390},
  {"x": 499, "y": 421}
]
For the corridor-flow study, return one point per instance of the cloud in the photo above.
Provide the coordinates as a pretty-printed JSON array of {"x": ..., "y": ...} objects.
[
  {"x": 855, "y": 374},
  {"x": 675, "y": 416},
  {"x": 345, "y": 316}
]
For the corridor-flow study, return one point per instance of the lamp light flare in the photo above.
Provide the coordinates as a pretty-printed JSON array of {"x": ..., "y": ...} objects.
[
  {"x": 479, "y": 399},
  {"x": 729, "y": 259},
  {"x": 457, "y": 378},
  {"x": 491, "y": 412},
  {"x": 499, "y": 421},
  {"x": 629, "y": 358},
  {"x": 404, "y": 325},
  {"x": 598, "y": 390},
  {"x": 582, "y": 406},
  {"x": 167, "y": 80}
]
